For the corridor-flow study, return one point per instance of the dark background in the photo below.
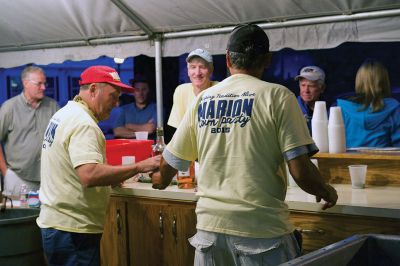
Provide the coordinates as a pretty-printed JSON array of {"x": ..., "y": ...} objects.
[{"x": 340, "y": 65}]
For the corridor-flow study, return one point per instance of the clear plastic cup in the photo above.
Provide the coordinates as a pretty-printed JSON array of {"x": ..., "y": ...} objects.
[{"x": 358, "y": 174}]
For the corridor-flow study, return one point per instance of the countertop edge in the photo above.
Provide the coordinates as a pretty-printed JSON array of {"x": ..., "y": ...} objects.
[
  {"x": 344, "y": 210},
  {"x": 173, "y": 193}
]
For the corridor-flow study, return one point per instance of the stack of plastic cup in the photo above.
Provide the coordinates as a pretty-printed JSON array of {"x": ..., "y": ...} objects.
[
  {"x": 319, "y": 126},
  {"x": 336, "y": 131}
]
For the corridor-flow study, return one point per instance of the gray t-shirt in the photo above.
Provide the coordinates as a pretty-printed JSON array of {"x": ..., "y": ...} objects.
[{"x": 21, "y": 132}]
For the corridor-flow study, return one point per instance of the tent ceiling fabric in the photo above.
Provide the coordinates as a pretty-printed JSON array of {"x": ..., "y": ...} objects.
[{"x": 48, "y": 31}]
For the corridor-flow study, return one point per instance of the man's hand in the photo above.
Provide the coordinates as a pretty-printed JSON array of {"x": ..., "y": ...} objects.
[
  {"x": 150, "y": 164},
  {"x": 330, "y": 198},
  {"x": 157, "y": 181}
]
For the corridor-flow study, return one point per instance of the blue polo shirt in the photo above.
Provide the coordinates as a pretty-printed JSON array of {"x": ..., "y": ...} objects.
[{"x": 131, "y": 114}]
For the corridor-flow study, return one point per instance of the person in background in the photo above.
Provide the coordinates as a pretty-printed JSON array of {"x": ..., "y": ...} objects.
[
  {"x": 243, "y": 131},
  {"x": 312, "y": 85},
  {"x": 23, "y": 120},
  {"x": 75, "y": 176},
  {"x": 140, "y": 115},
  {"x": 200, "y": 68},
  {"x": 372, "y": 117}
]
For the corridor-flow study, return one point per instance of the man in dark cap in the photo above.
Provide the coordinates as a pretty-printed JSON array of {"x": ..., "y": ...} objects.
[
  {"x": 75, "y": 176},
  {"x": 243, "y": 131}
]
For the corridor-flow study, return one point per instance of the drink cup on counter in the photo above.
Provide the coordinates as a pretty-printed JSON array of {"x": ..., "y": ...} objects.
[
  {"x": 141, "y": 135},
  {"x": 358, "y": 174}
]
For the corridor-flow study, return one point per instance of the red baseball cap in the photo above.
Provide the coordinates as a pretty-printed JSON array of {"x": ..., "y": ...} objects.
[{"x": 99, "y": 74}]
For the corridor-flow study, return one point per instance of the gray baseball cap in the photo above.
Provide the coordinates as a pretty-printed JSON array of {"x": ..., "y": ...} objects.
[
  {"x": 313, "y": 73},
  {"x": 200, "y": 53}
]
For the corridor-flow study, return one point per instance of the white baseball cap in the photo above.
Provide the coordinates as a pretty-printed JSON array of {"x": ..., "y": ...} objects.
[
  {"x": 200, "y": 53},
  {"x": 311, "y": 73}
]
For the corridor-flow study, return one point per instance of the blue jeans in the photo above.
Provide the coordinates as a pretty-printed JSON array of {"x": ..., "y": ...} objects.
[
  {"x": 219, "y": 249},
  {"x": 66, "y": 248}
]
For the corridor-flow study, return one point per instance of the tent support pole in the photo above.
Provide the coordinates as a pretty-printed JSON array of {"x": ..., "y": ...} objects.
[{"x": 159, "y": 88}]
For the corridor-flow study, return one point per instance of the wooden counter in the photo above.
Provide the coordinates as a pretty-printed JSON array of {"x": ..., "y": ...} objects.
[
  {"x": 372, "y": 201},
  {"x": 150, "y": 227},
  {"x": 383, "y": 168}
]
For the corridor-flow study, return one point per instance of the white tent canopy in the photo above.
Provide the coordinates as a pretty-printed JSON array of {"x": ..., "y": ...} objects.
[{"x": 52, "y": 31}]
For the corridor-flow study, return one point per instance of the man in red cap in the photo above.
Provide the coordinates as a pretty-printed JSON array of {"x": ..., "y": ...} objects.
[{"x": 75, "y": 176}]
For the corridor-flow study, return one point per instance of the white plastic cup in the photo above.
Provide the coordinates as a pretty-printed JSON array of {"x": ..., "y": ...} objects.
[
  {"x": 336, "y": 131},
  {"x": 128, "y": 160},
  {"x": 319, "y": 130},
  {"x": 320, "y": 113},
  {"x": 335, "y": 116},
  {"x": 319, "y": 126},
  {"x": 357, "y": 175},
  {"x": 141, "y": 135}
]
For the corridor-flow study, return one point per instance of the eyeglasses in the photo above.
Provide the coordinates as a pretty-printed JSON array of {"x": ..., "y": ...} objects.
[{"x": 39, "y": 84}]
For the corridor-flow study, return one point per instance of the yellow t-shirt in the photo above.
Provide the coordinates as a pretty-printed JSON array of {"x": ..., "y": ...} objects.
[
  {"x": 183, "y": 97},
  {"x": 72, "y": 138},
  {"x": 238, "y": 130}
]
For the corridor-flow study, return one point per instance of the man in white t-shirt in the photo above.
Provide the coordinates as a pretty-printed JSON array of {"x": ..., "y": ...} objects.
[
  {"x": 243, "y": 131},
  {"x": 76, "y": 179},
  {"x": 200, "y": 68}
]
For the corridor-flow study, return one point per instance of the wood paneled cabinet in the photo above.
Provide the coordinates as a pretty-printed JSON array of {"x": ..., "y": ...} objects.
[
  {"x": 114, "y": 243},
  {"x": 322, "y": 229},
  {"x": 155, "y": 232},
  {"x": 147, "y": 231}
]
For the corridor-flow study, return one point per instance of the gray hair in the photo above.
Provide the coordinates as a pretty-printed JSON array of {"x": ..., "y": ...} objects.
[
  {"x": 30, "y": 69},
  {"x": 320, "y": 82}
]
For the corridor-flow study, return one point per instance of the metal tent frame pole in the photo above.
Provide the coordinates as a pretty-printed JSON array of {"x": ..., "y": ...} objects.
[{"x": 159, "y": 88}]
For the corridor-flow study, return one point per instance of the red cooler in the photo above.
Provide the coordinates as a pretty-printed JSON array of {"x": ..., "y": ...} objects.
[{"x": 116, "y": 148}]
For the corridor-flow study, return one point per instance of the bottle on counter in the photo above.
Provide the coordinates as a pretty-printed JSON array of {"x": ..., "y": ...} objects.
[
  {"x": 23, "y": 196},
  {"x": 33, "y": 199},
  {"x": 186, "y": 179},
  {"x": 160, "y": 144}
]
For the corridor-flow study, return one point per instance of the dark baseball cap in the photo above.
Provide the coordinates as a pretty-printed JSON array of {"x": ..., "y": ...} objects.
[{"x": 244, "y": 36}]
